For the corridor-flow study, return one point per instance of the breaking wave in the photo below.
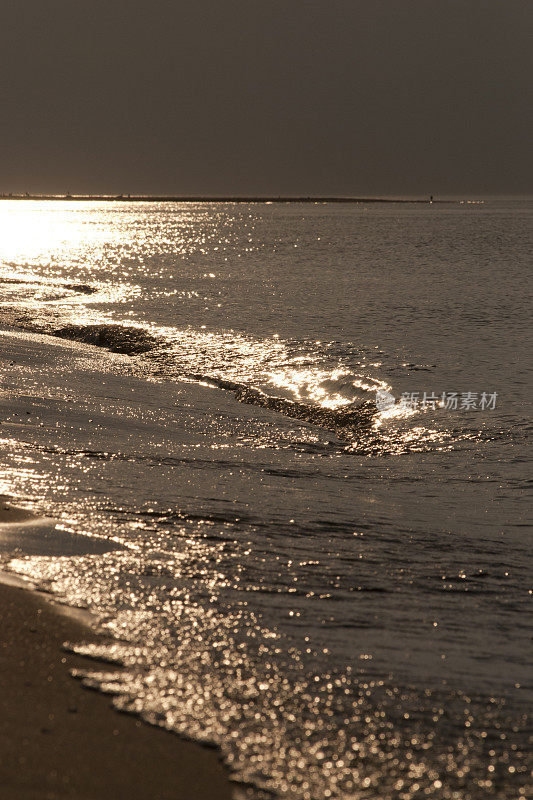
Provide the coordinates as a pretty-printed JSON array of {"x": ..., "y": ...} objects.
[{"x": 132, "y": 340}]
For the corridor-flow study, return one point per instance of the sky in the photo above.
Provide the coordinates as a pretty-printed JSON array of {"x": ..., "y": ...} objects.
[{"x": 325, "y": 97}]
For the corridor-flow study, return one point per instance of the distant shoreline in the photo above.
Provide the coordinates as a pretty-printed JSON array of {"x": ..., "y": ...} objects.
[{"x": 222, "y": 199}]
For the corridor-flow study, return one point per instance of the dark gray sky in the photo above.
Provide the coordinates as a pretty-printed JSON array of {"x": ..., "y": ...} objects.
[{"x": 300, "y": 96}]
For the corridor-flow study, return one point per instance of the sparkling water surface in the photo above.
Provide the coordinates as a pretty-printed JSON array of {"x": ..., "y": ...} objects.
[{"x": 339, "y": 598}]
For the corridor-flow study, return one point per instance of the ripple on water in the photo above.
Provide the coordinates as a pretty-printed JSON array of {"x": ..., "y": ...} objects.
[{"x": 215, "y": 673}]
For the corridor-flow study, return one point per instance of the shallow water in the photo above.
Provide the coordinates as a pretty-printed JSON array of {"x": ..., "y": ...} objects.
[{"x": 338, "y": 597}]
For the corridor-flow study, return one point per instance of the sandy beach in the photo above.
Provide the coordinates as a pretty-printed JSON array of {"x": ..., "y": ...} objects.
[{"x": 58, "y": 739}]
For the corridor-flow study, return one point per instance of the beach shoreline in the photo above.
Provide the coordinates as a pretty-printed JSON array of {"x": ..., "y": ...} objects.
[
  {"x": 321, "y": 609},
  {"x": 58, "y": 739}
]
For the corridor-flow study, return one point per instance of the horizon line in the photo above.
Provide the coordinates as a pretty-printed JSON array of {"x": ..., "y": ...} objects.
[{"x": 227, "y": 198}]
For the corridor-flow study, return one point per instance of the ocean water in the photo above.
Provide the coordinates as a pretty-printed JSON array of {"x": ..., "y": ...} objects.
[{"x": 337, "y": 595}]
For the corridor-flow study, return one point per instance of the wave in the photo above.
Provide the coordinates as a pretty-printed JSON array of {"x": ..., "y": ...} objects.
[
  {"x": 133, "y": 340},
  {"x": 126, "y": 339},
  {"x": 247, "y": 368},
  {"x": 351, "y": 417},
  {"x": 80, "y": 288}
]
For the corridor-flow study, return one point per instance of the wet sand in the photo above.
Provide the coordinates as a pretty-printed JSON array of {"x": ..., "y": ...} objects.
[
  {"x": 60, "y": 740},
  {"x": 12, "y": 514}
]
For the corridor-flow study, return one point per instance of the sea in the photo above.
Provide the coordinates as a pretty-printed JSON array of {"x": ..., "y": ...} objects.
[{"x": 279, "y": 453}]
